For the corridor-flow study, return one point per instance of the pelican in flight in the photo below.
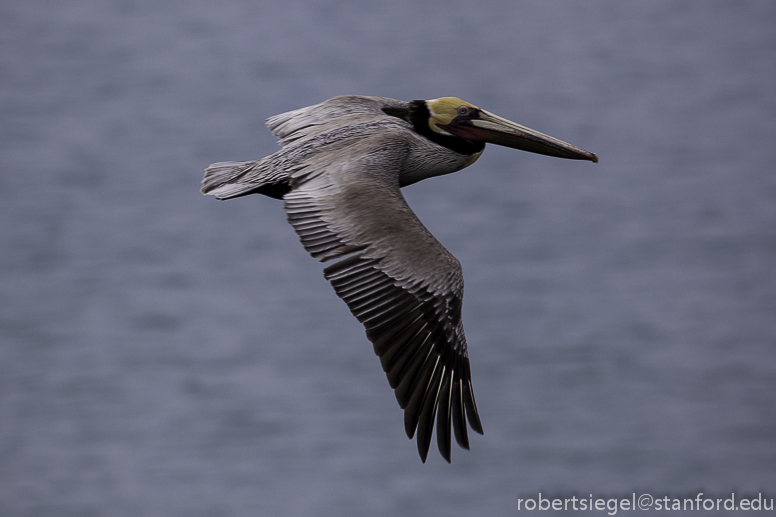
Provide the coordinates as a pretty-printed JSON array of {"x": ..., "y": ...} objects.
[{"x": 339, "y": 173}]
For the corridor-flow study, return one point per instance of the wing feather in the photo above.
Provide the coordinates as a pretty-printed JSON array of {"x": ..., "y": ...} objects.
[
  {"x": 459, "y": 423},
  {"x": 395, "y": 277},
  {"x": 306, "y": 122},
  {"x": 428, "y": 411},
  {"x": 444, "y": 416}
]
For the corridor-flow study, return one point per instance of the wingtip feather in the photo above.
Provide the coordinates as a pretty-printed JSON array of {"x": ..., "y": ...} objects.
[
  {"x": 443, "y": 416},
  {"x": 428, "y": 410}
]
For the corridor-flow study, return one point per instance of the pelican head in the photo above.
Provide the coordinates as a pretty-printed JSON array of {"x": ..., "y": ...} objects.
[{"x": 451, "y": 116}]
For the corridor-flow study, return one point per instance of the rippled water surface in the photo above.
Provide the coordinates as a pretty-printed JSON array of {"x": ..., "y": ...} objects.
[{"x": 162, "y": 353}]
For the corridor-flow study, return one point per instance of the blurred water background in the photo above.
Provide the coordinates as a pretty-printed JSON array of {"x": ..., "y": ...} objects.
[{"x": 165, "y": 354}]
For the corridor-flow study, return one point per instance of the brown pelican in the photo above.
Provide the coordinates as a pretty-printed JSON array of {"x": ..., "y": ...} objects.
[{"x": 339, "y": 173}]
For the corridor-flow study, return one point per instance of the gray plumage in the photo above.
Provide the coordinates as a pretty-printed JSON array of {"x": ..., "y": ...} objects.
[{"x": 339, "y": 172}]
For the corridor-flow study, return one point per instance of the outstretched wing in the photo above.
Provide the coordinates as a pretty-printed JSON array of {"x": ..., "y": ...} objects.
[{"x": 399, "y": 281}]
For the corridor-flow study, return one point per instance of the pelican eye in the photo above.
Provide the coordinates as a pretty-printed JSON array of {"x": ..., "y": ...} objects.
[{"x": 463, "y": 110}]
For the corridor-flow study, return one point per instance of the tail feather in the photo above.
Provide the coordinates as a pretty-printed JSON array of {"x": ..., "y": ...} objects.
[{"x": 226, "y": 180}]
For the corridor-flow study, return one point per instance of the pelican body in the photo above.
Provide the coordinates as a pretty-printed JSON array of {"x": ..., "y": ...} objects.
[{"x": 339, "y": 172}]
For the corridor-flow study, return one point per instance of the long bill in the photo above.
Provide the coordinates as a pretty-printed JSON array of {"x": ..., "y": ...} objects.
[{"x": 488, "y": 127}]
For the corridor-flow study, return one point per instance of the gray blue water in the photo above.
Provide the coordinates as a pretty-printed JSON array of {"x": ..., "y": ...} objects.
[{"x": 165, "y": 354}]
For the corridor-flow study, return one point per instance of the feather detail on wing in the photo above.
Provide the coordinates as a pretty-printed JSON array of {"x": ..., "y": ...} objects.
[
  {"x": 312, "y": 120},
  {"x": 401, "y": 284}
]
